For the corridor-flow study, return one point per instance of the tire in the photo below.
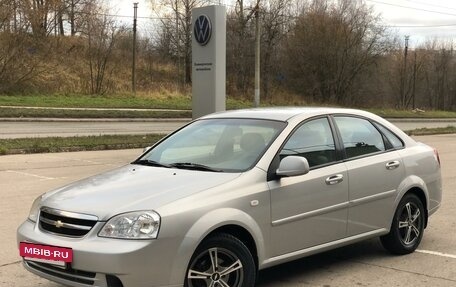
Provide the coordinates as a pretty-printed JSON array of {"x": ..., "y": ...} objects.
[
  {"x": 407, "y": 227},
  {"x": 234, "y": 265}
]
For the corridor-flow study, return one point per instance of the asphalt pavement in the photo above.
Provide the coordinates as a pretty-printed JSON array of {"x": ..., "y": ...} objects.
[
  {"x": 33, "y": 128},
  {"x": 24, "y": 177}
]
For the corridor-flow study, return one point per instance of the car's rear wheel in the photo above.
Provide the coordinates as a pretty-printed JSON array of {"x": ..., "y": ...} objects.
[
  {"x": 221, "y": 260},
  {"x": 407, "y": 227}
]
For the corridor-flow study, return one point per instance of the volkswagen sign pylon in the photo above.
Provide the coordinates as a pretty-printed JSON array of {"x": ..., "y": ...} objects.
[{"x": 208, "y": 60}]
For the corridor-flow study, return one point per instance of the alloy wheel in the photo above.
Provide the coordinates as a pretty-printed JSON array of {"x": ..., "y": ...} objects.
[
  {"x": 215, "y": 267},
  {"x": 410, "y": 223}
]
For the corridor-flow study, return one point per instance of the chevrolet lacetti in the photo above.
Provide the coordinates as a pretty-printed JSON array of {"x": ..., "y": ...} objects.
[{"x": 233, "y": 193}]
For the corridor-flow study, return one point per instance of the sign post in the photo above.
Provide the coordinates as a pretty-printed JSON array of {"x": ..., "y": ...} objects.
[{"x": 208, "y": 60}]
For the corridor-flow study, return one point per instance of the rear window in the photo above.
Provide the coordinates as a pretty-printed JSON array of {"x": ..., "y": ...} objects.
[
  {"x": 359, "y": 136},
  {"x": 393, "y": 139}
]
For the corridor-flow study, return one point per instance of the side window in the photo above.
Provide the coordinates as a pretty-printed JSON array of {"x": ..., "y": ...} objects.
[
  {"x": 394, "y": 140},
  {"x": 359, "y": 136},
  {"x": 314, "y": 141}
]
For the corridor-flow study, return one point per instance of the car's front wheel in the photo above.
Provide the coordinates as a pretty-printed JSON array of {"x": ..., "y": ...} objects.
[
  {"x": 221, "y": 260},
  {"x": 407, "y": 227}
]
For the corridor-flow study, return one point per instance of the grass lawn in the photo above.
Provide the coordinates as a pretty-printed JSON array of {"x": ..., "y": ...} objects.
[
  {"x": 115, "y": 101},
  {"x": 64, "y": 144},
  {"x": 172, "y": 101},
  {"x": 433, "y": 131},
  {"x": 88, "y": 101},
  {"x": 391, "y": 113},
  {"x": 91, "y": 114},
  {"x": 180, "y": 103}
]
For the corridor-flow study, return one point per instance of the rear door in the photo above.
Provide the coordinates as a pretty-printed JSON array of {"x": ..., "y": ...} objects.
[{"x": 375, "y": 170}]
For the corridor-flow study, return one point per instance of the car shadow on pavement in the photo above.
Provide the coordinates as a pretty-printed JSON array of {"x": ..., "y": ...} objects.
[{"x": 297, "y": 272}]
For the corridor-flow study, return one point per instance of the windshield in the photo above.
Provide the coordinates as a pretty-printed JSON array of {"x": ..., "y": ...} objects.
[{"x": 232, "y": 145}]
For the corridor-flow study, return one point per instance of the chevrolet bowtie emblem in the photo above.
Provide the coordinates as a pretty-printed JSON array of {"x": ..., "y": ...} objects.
[{"x": 58, "y": 224}]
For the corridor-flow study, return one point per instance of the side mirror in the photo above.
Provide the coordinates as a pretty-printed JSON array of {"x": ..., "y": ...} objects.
[{"x": 293, "y": 166}]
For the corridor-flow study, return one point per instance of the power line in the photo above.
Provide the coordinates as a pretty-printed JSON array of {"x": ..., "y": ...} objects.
[
  {"x": 295, "y": 17},
  {"x": 126, "y": 16},
  {"x": 173, "y": 18},
  {"x": 420, "y": 26},
  {"x": 412, "y": 8},
  {"x": 418, "y": 9},
  {"x": 215, "y": 2},
  {"x": 432, "y": 5}
]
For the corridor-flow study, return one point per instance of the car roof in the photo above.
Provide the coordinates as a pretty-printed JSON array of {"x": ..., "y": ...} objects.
[
  {"x": 298, "y": 114},
  {"x": 285, "y": 113}
]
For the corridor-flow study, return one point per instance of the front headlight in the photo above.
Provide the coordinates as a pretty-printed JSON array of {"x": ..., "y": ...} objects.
[
  {"x": 35, "y": 209},
  {"x": 133, "y": 225}
]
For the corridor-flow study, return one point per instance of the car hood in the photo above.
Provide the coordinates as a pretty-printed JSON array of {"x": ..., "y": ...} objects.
[{"x": 131, "y": 188}]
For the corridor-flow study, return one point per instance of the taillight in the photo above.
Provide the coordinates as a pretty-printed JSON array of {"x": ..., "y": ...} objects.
[{"x": 437, "y": 157}]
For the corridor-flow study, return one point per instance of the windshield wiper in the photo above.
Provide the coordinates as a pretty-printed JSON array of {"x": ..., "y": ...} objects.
[
  {"x": 149, "y": 162},
  {"x": 194, "y": 166}
]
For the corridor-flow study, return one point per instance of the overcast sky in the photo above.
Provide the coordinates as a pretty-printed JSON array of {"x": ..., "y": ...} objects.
[{"x": 420, "y": 19}]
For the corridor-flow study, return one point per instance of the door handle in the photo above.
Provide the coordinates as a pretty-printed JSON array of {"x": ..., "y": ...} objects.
[
  {"x": 392, "y": 165},
  {"x": 334, "y": 179}
]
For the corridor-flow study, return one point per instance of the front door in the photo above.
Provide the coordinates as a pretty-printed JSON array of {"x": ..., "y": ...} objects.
[{"x": 311, "y": 209}]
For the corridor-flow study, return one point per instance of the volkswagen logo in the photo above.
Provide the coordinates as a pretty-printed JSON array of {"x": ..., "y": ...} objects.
[{"x": 202, "y": 30}]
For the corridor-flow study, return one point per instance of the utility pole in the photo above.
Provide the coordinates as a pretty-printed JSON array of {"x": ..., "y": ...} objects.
[
  {"x": 443, "y": 69},
  {"x": 178, "y": 48},
  {"x": 133, "y": 72},
  {"x": 72, "y": 20},
  {"x": 414, "y": 80},
  {"x": 55, "y": 20},
  {"x": 257, "y": 56},
  {"x": 240, "y": 78},
  {"x": 15, "y": 15},
  {"x": 406, "y": 51},
  {"x": 404, "y": 75}
]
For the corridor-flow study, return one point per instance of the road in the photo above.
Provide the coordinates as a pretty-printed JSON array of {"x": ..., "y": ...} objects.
[
  {"x": 69, "y": 128},
  {"x": 65, "y": 128},
  {"x": 411, "y": 124},
  {"x": 24, "y": 177}
]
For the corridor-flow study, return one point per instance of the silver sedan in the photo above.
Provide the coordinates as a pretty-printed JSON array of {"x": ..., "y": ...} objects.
[{"x": 235, "y": 192}]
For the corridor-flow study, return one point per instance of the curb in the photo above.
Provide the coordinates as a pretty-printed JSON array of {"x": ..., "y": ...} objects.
[
  {"x": 95, "y": 109},
  {"x": 184, "y": 120},
  {"x": 421, "y": 120}
]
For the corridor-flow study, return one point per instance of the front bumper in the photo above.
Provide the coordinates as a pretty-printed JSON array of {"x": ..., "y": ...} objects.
[{"x": 99, "y": 261}]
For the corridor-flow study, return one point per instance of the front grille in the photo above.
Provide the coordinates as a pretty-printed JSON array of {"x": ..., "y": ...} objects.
[
  {"x": 66, "y": 223},
  {"x": 78, "y": 276}
]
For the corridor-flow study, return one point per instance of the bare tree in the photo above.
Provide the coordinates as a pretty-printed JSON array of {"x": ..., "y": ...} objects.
[
  {"x": 276, "y": 21},
  {"x": 6, "y": 14},
  {"x": 240, "y": 40},
  {"x": 101, "y": 33},
  {"x": 76, "y": 11},
  {"x": 40, "y": 14},
  {"x": 439, "y": 75},
  {"x": 21, "y": 52},
  {"x": 177, "y": 25},
  {"x": 404, "y": 73},
  {"x": 331, "y": 45}
]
